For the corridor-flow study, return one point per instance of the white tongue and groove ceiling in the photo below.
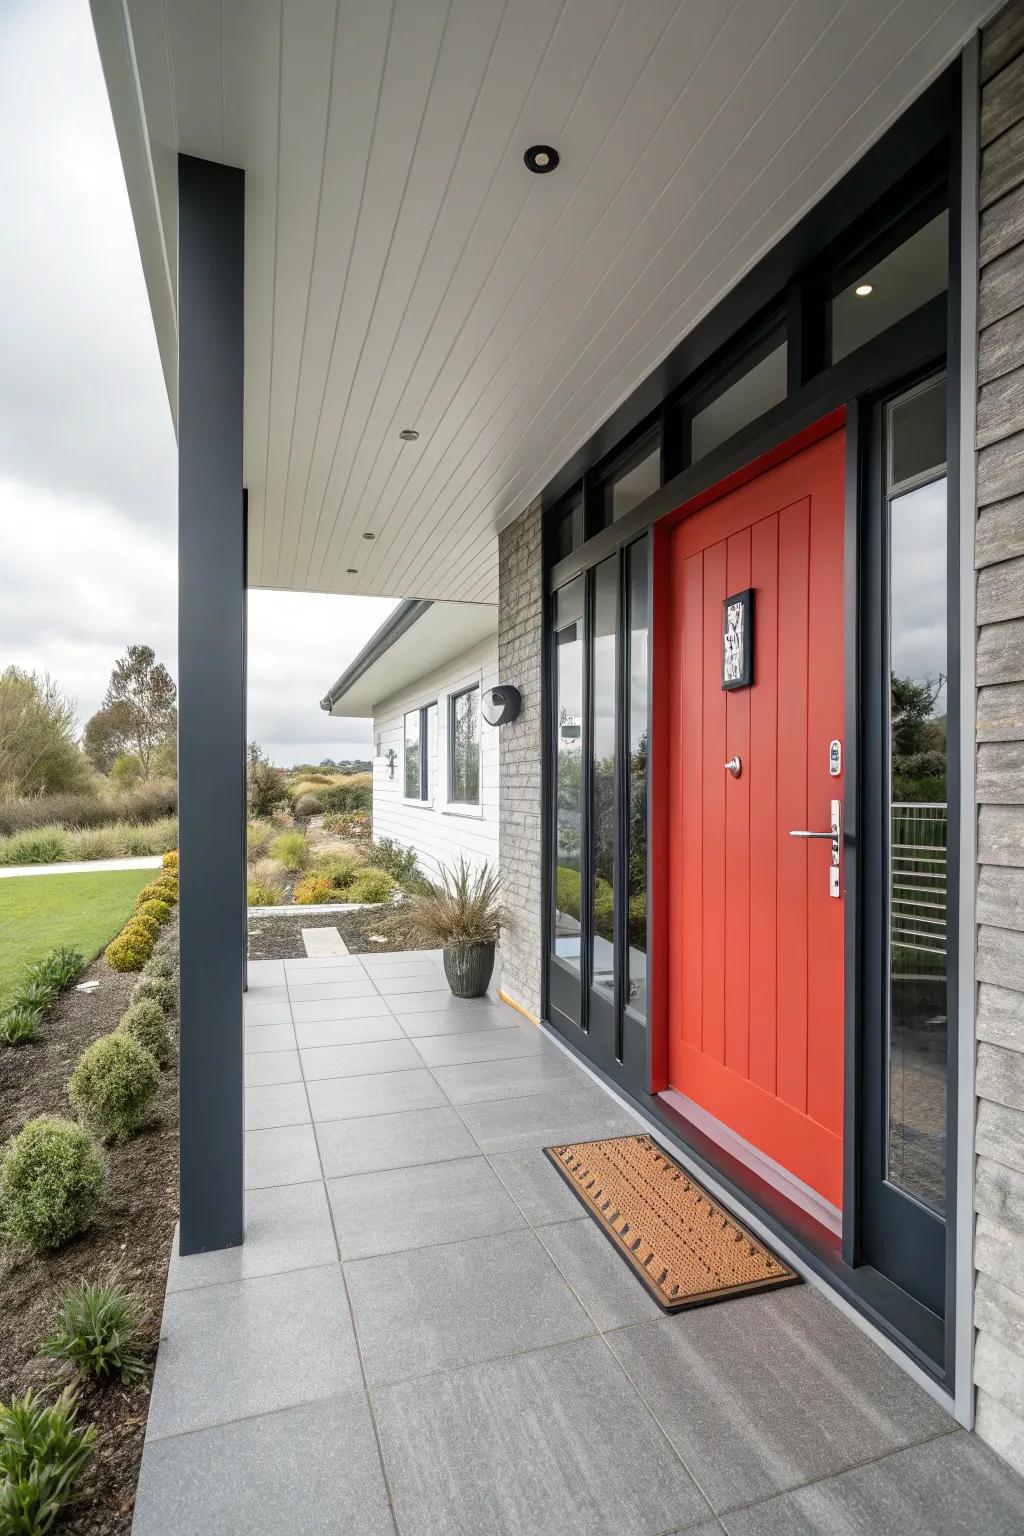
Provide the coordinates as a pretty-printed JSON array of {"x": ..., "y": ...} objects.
[{"x": 405, "y": 270}]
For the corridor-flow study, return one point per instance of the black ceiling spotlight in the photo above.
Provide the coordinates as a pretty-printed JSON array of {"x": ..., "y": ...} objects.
[
  {"x": 369, "y": 535},
  {"x": 541, "y": 158},
  {"x": 408, "y": 434}
]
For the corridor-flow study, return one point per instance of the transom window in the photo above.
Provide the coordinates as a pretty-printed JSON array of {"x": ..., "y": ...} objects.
[{"x": 464, "y": 746}]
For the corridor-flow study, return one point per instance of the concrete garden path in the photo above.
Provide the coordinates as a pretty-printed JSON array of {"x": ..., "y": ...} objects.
[
  {"x": 80, "y": 867},
  {"x": 424, "y": 1335}
]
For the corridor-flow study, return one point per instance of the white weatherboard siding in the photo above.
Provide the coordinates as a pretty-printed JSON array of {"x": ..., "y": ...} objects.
[{"x": 439, "y": 832}]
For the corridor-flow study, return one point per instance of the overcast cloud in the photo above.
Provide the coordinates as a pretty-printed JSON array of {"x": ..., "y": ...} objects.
[{"x": 87, "y": 453}]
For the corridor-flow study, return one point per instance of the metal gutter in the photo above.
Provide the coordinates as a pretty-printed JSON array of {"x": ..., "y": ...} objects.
[{"x": 393, "y": 628}]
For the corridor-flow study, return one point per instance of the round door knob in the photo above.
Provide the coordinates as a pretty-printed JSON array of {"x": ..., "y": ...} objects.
[{"x": 735, "y": 767}]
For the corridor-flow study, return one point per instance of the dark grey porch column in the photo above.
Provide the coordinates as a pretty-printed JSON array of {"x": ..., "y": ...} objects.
[{"x": 211, "y": 697}]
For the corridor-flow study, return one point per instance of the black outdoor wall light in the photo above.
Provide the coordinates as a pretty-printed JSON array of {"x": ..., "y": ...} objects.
[{"x": 500, "y": 705}]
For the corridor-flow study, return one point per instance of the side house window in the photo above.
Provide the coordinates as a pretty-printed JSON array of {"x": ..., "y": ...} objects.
[
  {"x": 464, "y": 747},
  {"x": 420, "y": 746}
]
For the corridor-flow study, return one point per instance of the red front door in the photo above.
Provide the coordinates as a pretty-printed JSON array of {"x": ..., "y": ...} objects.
[{"x": 755, "y": 938}]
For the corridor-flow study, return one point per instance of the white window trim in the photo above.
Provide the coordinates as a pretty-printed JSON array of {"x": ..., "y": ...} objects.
[
  {"x": 473, "y": 810},
  {"x": 418, "y": 802}
]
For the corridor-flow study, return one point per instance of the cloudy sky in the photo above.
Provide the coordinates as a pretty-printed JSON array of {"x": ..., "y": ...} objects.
[{"x": 87, "y": 453}]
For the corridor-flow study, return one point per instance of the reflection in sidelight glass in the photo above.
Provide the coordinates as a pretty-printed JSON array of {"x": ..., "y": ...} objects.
[
  {"x": 606, "y": 624},
  {"x": 918, "y": 934},
  {"x": 464, "y": 747},
  {"x": 568, "y": 779},
  {"x": 636, "y": 831},
  {"x": 412, "y": 755}
]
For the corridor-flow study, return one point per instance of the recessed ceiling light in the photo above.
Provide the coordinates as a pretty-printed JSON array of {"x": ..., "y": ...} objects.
[
  {"x": 408, "y": 434},
  {"x": 863, "y": 289},
  {"x": 369, "y": 535},
  {"x": 353, "y": 570},
  {"x": 541, "y": 158}
]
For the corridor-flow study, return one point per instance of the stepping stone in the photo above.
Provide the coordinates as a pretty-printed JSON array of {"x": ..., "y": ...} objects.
[{"x": 323, "y": 941}]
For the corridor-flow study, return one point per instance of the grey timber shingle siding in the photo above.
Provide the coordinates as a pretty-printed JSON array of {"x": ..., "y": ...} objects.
[{"x": 999, "y": 557}]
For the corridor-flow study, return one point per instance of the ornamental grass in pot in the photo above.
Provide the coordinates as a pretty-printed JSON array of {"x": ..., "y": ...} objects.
[{"x": 463, "y": 917}]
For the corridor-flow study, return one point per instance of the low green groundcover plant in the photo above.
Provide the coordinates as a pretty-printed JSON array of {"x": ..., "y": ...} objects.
[
  {"x": 258, "y": 895},
  {"x": 42, "y": 1452},
  {"x": 19, "y": 1024},
  {"x": 371, "y": 885},
  {"x": 38, "y": 988},
  {"x": 399, "y": 862},
  {"x": 96, "y": 1330},
  {"x": 146, "y": 1022},
  {"x": 52, "y": 1183},
  {"x": 114, "y": 1086}
]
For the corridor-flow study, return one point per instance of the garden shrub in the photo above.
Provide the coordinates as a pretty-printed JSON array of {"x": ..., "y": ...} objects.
[
  {"x": 315, "y": 890},
  {"x": 129, "y": 951},
  {"x": 114, "y": 1086},
  {"x": 43, "y": 845},
  {"x": 19, "y": 1024},
  {"x": 43, "y": 1450},
  {"x": 155, "y": 988},
  {"x": 266, "y": 789},
  {"x": 158, "y": 910},
  {"x": 96, "y": 843},
  {"x": 96, "y": 1330},
  {"x": 146, "y": 1022},
  {"x": 354, "y": 795},
  {"x": 87, "y": 808},
  {"x": 291, "y": 851},
  {"x": 163, "y": 889},
  {"x": 52, "y": 1182},
  {"x": 258, "y": 895},
  {"x": 372, "y": 885},
  {"x": 163, "y": 962},
  {"x": 339, "y": 868},
  {"x": 307, "y": 805},
  {"x": 399, "y": 862},
  {"x": 266, "y": 872},
  {"x": 258, "y": 840},
  {"x": 170, "y": 860},
  {"x": 143, "y": 924},
  {"x": 158, "y": 837}
]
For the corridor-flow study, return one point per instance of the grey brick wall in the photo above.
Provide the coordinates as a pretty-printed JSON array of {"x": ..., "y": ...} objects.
[
  {"x": 999, "y": 557},
  {"x": 520, "y": 599}
]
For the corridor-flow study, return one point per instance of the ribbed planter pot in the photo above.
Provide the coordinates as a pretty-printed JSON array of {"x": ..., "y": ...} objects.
[{"x": 468, "y": 968}]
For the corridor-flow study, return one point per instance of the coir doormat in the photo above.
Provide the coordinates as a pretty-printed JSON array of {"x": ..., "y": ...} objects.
[{"x": 681, "y": 1243}]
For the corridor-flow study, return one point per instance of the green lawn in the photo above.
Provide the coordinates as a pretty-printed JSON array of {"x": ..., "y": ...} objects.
[{"x": 37, "y": 912}]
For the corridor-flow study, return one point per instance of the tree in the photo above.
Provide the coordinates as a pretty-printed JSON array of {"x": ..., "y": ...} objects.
[
  {"x": 266, "y": 786},
  {"x": 142, "y": 692},
  {"x": 912, "y": 705},
  {"x": 38, "y": 751},
  {"x": 108, "y": 736}
]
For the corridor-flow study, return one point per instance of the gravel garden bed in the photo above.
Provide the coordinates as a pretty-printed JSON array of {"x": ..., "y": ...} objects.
[
  {"x": 280, "y": 938},
  {"x": 133, "y": 1234}
]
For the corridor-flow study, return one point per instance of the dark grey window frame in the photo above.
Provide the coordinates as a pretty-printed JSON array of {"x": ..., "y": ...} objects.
[{"x": 461, "y": 693}]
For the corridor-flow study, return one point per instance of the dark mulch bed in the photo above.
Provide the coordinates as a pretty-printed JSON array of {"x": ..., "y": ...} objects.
[
  {"x": 280, "y": 938},
  {"x": 134, "y": 1233}
]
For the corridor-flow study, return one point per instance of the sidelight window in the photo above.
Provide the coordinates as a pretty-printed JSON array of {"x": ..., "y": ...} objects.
[
  {"x": 464, "y": 747},
  {"x": 919, "y": 937},
  {"x": 568, "y": 825},
  {"x": 603, "y": 769}
]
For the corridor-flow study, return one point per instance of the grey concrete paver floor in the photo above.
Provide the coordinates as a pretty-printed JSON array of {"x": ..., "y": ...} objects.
[{"x": 423, "y": 1335}]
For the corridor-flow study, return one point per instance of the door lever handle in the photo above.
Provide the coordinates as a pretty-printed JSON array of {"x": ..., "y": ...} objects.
[{"x": 834, "y": 835}]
